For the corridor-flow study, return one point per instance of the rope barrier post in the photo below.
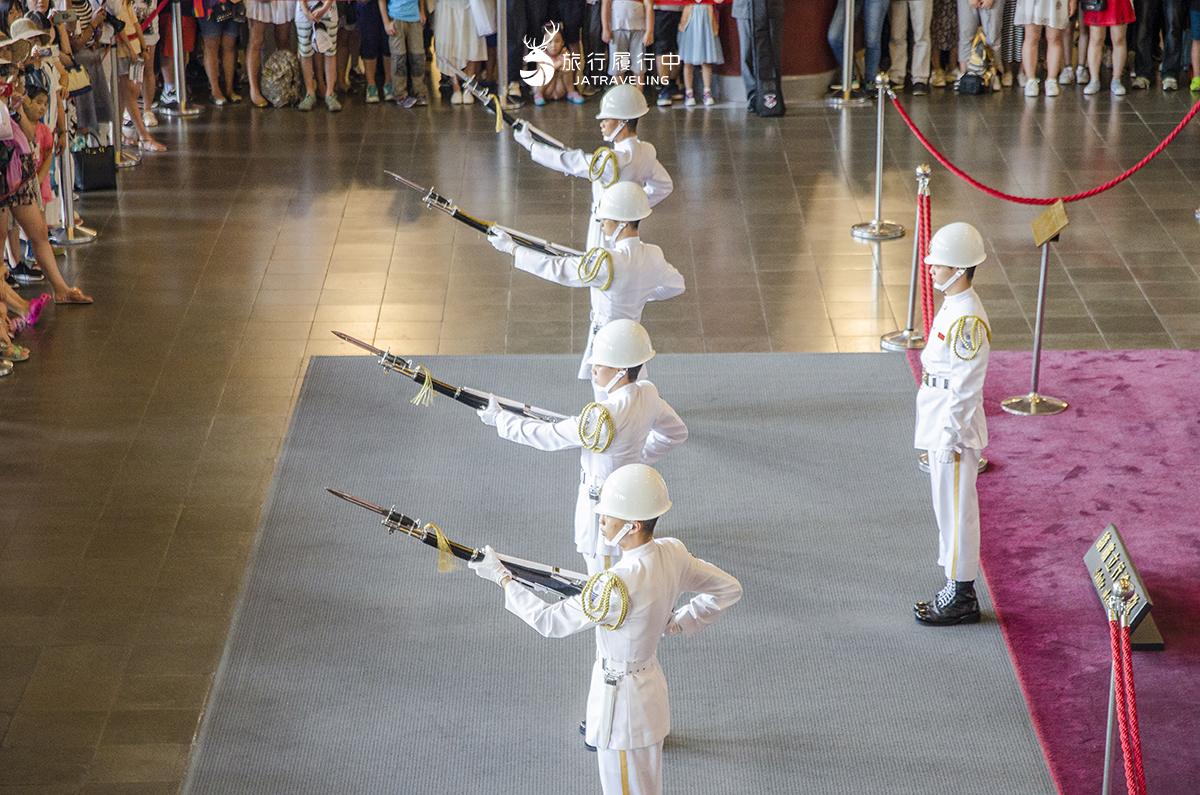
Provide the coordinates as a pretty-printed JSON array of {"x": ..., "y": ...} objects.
[
  {"x": 1112, "y": 718},
  {"x": 1046, "y": 230},
  {"x": 69, "y": 234},
  {"x": 878, "y": 229},
  {"x": 911, "y": 339},
  {"x": 124, "y": 159},
  {"x": 847, "y": 98},
  {"x": 1118, "y": 614},
  {"x": 502, "y": 55},
  {"x": 179, "y": 109}
]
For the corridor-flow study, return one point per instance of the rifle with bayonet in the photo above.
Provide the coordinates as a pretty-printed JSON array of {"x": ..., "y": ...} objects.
[
  {"x": 495, "y": 104},
  {"x": 435, "y": 201},
  {"x": 470, "y": 397},
  {"x": 540, "y": 577}
]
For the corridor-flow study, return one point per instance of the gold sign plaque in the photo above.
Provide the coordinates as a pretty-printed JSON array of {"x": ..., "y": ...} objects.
[{"x": 1050, "y": 223}]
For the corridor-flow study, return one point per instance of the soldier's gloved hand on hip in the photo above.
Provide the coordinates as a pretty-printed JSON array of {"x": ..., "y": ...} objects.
[
  {"x": 523, "y": 136},
  {"x": 946, "y": 456},
  {"x": 673, "y": 628},
  {"x": 490, "y": 567},
  {"x": 501, "y": 240},
  {"x": 489, "y": 413}
]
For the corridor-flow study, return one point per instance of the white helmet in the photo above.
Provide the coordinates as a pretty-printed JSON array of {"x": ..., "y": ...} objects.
[
  {"x": 956, "y": 245},
  {"x": 621, "y": 344},
  {"x": 635, "y": 493},
  {"x": 625, "y": 201},
  {"x": 623, "y": 102}
]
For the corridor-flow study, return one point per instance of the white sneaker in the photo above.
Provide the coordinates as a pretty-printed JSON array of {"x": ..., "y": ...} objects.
[
  {"x": 1066, "y": 77},
  {"x": 468, "y": 98},
  {"x": 1022, "y": 79},
  {"x": 1117, "y": 88},
  {"x": 938, "y": 78},
  {"x": 1081, "y": 74},
  {"x": 1051, "y": 87},
  {"x": 456, "y": 98},
  {"x": 1031, "y": 87},
  {"x": 1092, "y": 87},
  {"x": 1007, "y": 79},
  {"x": 1170, "y": 84}
]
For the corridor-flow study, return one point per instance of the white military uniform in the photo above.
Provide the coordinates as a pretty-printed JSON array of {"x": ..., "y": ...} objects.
[
  {"x": 645, "y": 428},
  {"x": 655, "y": 574},
  {"x": 640, "y": 273},
  {"x": 637, "y": 161},
  {"x": 950, "y": 418}
]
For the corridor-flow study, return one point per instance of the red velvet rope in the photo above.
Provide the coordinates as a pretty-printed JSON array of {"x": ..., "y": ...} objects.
[
  {"x": 958, "y": 172},
  {"x": 923, "y": 234},
  {"x": 1122, "y": 718},
  {"x": 1135, "y": 739}
]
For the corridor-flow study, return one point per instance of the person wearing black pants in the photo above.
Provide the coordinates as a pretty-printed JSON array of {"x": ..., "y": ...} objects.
[{"x": 1151, "y": 16}]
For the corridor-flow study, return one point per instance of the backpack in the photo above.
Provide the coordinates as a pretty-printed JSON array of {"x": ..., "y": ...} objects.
[
  {"x": 282, "y": 81},
  {"x": 981, "y": 67}
]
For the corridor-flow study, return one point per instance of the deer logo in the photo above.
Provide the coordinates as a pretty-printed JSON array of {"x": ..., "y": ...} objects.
[{"x": 543, "y": 66}]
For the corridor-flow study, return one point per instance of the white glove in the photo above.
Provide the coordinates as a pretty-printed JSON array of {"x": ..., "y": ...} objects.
[
  {"x": 501, "y": 241},
  {"x": 523, "y": 136},
  {"x": 491, "y": 412},
  {"x": 490, "y": 568},
  {"x": 945, "y": 456}
]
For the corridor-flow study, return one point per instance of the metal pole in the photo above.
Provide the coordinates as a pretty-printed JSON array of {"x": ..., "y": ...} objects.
[
  {"x": 124, "y": 159},
  {"x": 847, "y": 97},
  {"x": 1112, "y": 719},
  {"x": 502, "y": 54},
  {"x": 69, "y": 234},
  {"x": 180, "y": 108},
  {"x": 910, "y": 338},
  {"x": 1033, "y": 403},
  {"x": 878, "y": 229}
]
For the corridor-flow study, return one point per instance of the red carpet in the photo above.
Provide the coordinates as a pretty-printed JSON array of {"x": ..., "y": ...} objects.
[{"x": 1127, "y": 451}]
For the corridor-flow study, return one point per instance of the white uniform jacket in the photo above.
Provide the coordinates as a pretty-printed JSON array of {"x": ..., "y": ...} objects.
[
  {"x": 640, "y": 273},
  {"x": 637, "y": 161},
  {"x": 950, "y": 400},
  {"x": 655, "y": 575},
  {"x": 645, "y": 428}
]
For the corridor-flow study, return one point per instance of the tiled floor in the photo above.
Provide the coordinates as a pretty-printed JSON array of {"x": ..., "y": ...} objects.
[{"x": 140, "y": 440}]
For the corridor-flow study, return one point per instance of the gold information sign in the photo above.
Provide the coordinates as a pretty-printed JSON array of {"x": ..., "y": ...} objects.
[{"x": 1047, "y": 225}]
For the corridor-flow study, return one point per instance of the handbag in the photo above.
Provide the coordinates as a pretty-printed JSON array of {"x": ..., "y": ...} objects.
[
  {"x": 95, "y": 166},
  {"x": 1095, "y": 5},
  {"x": 224, "y": 12},
  {"x": 78, "y": 82}
]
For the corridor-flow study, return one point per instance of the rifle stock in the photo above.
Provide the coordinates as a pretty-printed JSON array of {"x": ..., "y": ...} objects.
[
  {"x": 540, "y": 577},
  {"x": 465, "y": 395}
]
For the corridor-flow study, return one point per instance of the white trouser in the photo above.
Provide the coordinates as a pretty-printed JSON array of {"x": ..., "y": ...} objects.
[
  {"x": 920, "y": 13},
  {"x": 956, "y": 506},
  {"x": 637, "y": 771}
]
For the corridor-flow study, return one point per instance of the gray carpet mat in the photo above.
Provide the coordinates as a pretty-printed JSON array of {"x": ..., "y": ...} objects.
[{"x": 353, "y": 666}]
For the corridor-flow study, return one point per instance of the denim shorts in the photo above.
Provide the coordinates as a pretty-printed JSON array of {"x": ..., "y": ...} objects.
[{"x": 215, "y": 30}]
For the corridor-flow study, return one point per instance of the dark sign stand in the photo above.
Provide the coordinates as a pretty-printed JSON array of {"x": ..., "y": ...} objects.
[{"x": 1107, "y": 561}]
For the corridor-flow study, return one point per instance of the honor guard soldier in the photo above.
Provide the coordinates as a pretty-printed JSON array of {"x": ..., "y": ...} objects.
[
  {"x": 631, "y": 607},
  {"x": 623, "y": 274},
  {"x": 632, "y": 424},
  {"x": 629, "y": 160},
  {"x": 950, "y": 421}
]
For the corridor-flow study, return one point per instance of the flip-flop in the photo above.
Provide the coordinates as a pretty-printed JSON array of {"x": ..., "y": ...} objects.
[
  {"x": 15, "y": 353},
  {"x": 35, "y": 308},
  {"x": 74, "y": 296}
]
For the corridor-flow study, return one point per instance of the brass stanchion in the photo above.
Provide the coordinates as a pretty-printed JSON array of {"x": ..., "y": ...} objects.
[
  {"x": 878, "y": 229},
  {"x": 124, "y": 159},
  {"x": 910, "y": 339},
  {"x": 179, "y": 109},
  {"x": 69, "y": 234}
]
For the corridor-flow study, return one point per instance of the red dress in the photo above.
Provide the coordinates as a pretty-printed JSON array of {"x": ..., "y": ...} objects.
[{"x": 1117, "y": 12}]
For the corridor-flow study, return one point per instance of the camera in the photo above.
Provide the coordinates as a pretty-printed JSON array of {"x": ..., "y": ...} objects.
[{"x": 61, "y": 17}]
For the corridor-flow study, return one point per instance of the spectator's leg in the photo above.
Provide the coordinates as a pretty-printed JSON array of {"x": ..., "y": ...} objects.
[
  {"x": 1054, "y": 53},
  {"x": 1029, "y": 51},
  {"x": 129, "y": 97},
  {"x": 1172, "y": 26},
  {"x": 149, "y": 82},
  {"x": 1095, "y": 50},
  {"x": 212, "y": 66},
  {"x": 920, "y": 14},
  {"x": 254, "y": 59},
  {"x": 229, "y": 61},
  {"x": 968, "y": 23},
  {"x": 745, "y": 45},
  {"x": 33, "y": 224},
  {"x": 899, "y": 43},
  {"x": 1120, "y": 51},
  {"x": 416, "y": 59}
]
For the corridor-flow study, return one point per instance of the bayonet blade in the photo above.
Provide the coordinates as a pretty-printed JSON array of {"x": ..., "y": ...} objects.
[
  {"x": 407, "y": 182},
  {"x": 365, "y": 346},
  {"x": 370, "y": 506}
]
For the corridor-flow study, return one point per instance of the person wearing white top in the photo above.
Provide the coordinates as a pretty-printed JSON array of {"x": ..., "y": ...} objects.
[
  {"x": 950, "y": 421},
  {"x": 631, "y": 606},
  {"x": 631, "y": 424},
  {"x": 622, "y": 274},
  {"x": 632, "y": 160}
]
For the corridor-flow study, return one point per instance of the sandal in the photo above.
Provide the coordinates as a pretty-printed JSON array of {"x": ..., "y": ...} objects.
[
  {"x": 16, "y": 353},
  {"x": 259, "y": 103},
  {"x": 35, "y": 308},
  {"x": 74, "y": 296},
  {"x": 151, "y": 145}
]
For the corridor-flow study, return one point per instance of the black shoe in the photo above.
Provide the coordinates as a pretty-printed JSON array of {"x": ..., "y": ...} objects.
[
  {"x": 920, "y": 89},
  {"x": 956, "y": 603},
  {"x": 583, "y": 731},
  {"x": 27, "y": 274},
  {"x": 11, "y": 282}
]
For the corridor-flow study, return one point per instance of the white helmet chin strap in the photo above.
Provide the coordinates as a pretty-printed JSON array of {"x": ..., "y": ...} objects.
[
  {"x": 950, "y": 281},
  {"x": 620, "y": 374},
  {"x": 616, "y": 131},
  {"x": 624, "y": 532}
]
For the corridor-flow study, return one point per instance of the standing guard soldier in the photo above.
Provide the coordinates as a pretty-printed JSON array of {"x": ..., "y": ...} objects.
[
  {"x": 632, "y": 424},
  {"x": 950, "y": 421},
  {"x": 632, "y": 607},
  {"x": 629, "y": 160},
  {"x": 623, "y": 274}
]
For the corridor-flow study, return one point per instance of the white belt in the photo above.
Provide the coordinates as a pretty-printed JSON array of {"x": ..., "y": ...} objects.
[
  {"x": 613, "y": 671},
  {"x": 593, "y": 483},
  {"x": 623, "y": 668},
  {"x": 934, "y": 381}
]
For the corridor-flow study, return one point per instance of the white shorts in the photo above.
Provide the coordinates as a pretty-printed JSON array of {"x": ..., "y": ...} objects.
[{"x": 626, "y": 53}]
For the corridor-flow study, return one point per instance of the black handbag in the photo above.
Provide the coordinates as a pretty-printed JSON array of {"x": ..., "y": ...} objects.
[
  {"x": 95, "y": 166},
  {"x": 223, "y": 12},
  {"x": 1095, "y": 5}
]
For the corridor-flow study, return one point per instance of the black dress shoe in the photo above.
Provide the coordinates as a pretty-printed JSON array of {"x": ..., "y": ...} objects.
[
  {"x": 954, "y": 604},
  {"x": 583, "y": 731}
]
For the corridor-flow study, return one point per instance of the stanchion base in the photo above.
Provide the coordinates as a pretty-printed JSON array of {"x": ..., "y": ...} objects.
[
  {"x": 72, "y": 235},
  {"x": 907, "y": 340},
  {"x": 877, "y": 230},
  {"x": 923, "y": 464},
  {"x": 187, "y": 112},
  {"x": 126, "y": 160},
  {"x": 1033, "y": 404},
  {"x": 857, "y": 99},
  {"x": 6, "y": 367}
]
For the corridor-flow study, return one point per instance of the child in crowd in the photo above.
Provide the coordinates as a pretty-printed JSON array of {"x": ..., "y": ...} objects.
[
  {"x": 316, "y": 31},
  {"x": 374, "y": 43},
  {"x": 404, "y": 22},
  {"x": 459, "y": 43},
  {"x": 37, "y": 103},
  {"x": 628, "y": 30},
  {"x": 943, "y": 34},
  {"x": 699, "y": 46},
  {"x": 562, "y": 84},
  {"x": 1115, "y": 16},
  {"x": 1035, "y": 15}
]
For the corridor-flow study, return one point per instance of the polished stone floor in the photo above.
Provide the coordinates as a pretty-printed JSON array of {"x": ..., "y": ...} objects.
[{"x": 140, "y": 439}]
